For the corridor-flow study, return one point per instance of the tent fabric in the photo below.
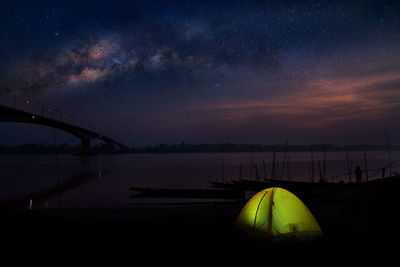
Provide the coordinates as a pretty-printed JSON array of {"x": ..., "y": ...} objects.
[{"x": 276, "y": 212}]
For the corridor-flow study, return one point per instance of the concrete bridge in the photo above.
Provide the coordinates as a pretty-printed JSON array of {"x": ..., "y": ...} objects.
[{"x": 11, "y": 114}]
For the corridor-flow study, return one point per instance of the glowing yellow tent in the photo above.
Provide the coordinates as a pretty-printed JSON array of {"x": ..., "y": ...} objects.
[{"x": 275, "y": 212}]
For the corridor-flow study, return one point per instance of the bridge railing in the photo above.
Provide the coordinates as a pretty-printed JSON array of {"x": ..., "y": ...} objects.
[{"x": 36, "y": 107}]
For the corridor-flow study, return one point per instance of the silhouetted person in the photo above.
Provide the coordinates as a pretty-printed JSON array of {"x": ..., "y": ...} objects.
[{"x": 358, "y": 174}]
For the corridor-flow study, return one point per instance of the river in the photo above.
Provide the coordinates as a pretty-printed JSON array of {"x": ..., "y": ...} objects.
[{"x": 103, "y": 181}]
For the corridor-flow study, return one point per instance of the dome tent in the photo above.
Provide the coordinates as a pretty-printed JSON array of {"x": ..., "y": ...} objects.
[{"x": 276, "y": 212}]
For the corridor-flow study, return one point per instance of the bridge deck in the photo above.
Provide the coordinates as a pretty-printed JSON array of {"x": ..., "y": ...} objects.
[{"x": 9, "y": 114}]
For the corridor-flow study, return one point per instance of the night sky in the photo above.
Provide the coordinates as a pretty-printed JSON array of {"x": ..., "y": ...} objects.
[{"x": 206, "y": 71}]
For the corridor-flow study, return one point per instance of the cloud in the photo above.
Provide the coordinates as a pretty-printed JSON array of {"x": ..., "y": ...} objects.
[{"x": 317, "y": 102}]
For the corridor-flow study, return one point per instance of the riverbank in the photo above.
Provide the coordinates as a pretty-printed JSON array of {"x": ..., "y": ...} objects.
[
  {"x": 359, "y": 225},
  {"x": 103, "y": 148}
]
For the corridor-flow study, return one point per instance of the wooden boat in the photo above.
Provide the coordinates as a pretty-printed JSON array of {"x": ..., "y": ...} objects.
[
  {"x": 187, "y": 193},
  {"x": 295, "y": 186}
]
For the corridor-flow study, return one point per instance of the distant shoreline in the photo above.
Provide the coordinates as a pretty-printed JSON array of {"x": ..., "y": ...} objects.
[{"x": 48, "y": 149}]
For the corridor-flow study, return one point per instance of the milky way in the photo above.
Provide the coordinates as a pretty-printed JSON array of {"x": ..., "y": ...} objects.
[{"x": 208, "y": 71}]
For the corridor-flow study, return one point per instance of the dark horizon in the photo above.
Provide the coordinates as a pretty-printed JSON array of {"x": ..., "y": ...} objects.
[{"x": 63, "y": 148}]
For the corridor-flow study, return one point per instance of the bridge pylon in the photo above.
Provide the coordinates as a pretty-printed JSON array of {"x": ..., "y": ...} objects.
[{"x": 11, "y": 114}]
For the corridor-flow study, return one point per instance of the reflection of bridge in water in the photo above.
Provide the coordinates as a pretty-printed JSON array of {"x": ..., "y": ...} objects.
[{"x": 13, "y": 114}]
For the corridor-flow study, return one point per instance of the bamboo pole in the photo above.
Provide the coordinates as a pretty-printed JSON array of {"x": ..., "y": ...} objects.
[
  {"x": 257, "y": 177},
  {"x": 222, "y": 170},
  {"x": 389, "y": 153},
  {"x": 58, "y": 166},
  {"x": 284, "y": 159},
  {"x": 320, "y": 170},
  {"x": 265, "y": 170},
  {"x": 366, "y": 165},
  {"x": 348, "y": 165},
  {"x": 251, "y": 165},
  {"x": 277, "y": 168},
  {"x": 288, "y": 171},
  {"x": 351, "y": 166},
  {"x": 273, "y": 166},
  {"x": 312, "y": 165},
  {"x": 324, "y": 177}
]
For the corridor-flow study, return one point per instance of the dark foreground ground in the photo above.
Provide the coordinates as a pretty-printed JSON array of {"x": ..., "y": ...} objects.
[{"x": 360, "y": 224}]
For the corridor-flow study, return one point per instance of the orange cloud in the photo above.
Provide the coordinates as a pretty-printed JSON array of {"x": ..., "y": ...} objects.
[{"x": 321, "y": 102}]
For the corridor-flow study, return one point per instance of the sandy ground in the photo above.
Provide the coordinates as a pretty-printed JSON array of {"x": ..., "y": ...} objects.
[{"x": 359, "y": 225}]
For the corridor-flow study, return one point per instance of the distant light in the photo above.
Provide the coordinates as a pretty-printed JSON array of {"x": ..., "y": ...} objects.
[
  {"x": 27, "y": 101},
  {"x": 33, "y": 116}
]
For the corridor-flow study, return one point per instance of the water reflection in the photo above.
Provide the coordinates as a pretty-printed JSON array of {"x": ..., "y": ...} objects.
[
  {"x": 41, "y": 197},
  {"x": 104, "y": 181}
]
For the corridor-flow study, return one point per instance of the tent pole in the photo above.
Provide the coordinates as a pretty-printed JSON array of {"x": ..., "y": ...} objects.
[
  {"x": 271, "y": 202},
  {"x": 258, "y": 207}
]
